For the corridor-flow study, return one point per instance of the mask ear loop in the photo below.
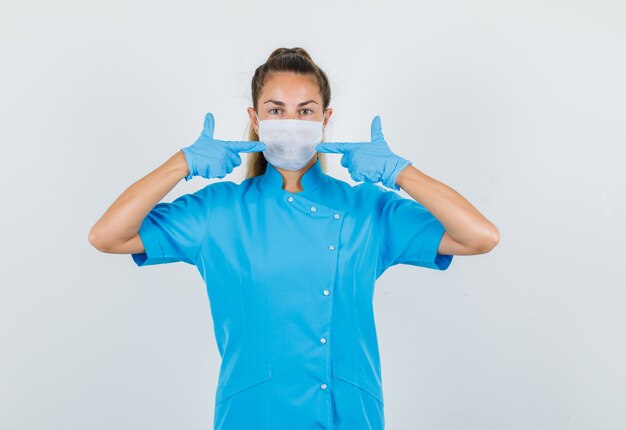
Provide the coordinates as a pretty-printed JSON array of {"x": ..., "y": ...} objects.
[
  {"x": 258, "y": 120},
  {"x": 324, "y": 128}
]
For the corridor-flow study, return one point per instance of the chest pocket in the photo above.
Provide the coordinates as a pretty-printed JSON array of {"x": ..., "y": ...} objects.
[{"x": 244, "y": 401}]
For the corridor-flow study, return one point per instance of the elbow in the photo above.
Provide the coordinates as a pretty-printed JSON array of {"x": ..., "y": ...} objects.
[
  {"x": 489, "y": 241},
  {"x": 95, "y": 239}
]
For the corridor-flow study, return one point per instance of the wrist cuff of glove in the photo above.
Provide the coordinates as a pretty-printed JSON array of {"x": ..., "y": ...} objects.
[
  {"x": 391, "y": 182},
  {"x": 189, "y": 165}
]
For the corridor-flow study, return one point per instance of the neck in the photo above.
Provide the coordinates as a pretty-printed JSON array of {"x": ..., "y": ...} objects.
[{"x": 291, "y": 178}]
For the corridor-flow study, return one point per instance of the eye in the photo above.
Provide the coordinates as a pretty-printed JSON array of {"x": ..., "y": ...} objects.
[
  {"x": 274, "y": 109},
  {"x": 308, "y": 110}
]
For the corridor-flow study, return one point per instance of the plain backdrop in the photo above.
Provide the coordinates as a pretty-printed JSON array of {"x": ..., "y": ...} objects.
[{"x": 517, "y": 105}]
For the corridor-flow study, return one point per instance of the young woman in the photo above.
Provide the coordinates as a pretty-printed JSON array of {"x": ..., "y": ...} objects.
[{"x": 290, "y": 255}]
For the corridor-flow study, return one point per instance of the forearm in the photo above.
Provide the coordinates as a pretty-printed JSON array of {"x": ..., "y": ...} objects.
[
  {"x": 462, "y": 221},
  {"x": 122, "y": 219}
]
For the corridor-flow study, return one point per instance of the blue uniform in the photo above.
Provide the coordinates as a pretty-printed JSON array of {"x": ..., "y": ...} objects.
[{"x": 290, "y": 279}]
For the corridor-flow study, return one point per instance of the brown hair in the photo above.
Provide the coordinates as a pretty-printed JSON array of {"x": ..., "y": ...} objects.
[{"x": 296, "y": 60}]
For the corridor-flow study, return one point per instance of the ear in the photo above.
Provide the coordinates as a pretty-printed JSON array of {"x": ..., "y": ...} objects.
[
  {"x": 253, "y": 120},
  {"x": 327, "y": 114}
]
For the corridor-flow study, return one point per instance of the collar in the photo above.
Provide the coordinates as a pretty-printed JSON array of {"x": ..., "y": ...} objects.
[{"x": 272, "y": 179}]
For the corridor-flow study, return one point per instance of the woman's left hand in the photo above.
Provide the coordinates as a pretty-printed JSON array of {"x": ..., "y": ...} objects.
[{"x": 369, "y": 161}]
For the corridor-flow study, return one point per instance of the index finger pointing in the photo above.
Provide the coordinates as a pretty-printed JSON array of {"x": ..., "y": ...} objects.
[
  {"x": 247, "y": 145},
  {"x": 335, "y": 147}
]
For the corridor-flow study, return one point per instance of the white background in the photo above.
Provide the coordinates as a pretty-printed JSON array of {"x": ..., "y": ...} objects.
[{"x": 517, "y": 105}]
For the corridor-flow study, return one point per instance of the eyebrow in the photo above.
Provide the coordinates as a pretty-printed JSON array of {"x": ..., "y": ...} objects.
[{"x": 279, "y": 103}]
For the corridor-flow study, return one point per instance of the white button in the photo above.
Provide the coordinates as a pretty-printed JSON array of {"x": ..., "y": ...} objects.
[
  {"x": 290, "y": 199},
  {"x": 326, "y": 292},
  {"x": 323, "y": 340},
  {"x": 323, "y": 386},
  {"x": 336, "y": 216},
  {"x": 331, "y": 247},
  {"x": 313, "y": 208}
]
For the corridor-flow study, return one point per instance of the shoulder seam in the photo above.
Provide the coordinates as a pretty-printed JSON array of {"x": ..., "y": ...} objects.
[
  {"x": 380, "y": 234},
  {"x": 206, "y": 226}
]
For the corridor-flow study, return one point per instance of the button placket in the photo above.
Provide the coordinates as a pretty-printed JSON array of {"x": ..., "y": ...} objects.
[{"x": 334, "y": 216}]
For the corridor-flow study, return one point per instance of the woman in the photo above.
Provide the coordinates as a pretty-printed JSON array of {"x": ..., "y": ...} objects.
[{"x": 290, "y": 255}]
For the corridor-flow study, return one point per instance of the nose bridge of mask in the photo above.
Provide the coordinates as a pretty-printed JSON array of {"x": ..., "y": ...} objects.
[
  {"x": 260, "y": 121},
  {"x": 299, "y": 131}
]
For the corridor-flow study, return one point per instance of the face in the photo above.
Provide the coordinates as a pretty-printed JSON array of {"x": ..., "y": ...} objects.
[{"x": 287, "y": 95}]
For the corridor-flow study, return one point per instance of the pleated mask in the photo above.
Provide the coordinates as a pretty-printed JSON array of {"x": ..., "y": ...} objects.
[{"x": 290, "y": 143}]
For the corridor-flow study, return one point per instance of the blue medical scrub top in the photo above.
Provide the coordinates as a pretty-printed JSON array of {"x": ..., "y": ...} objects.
[{"x": 290, "y": 280}]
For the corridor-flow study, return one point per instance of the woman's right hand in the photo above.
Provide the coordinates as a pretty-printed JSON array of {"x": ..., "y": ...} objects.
[{"x": 213, "y": 158}]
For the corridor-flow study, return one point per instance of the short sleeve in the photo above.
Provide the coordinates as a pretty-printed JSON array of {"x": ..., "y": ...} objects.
[
  {"x": 409, "y": 234},
  {"x": 173, "y": 232}
]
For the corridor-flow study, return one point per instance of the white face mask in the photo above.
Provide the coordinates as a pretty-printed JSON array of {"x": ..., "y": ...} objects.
[{"x": 290, "y": 143}]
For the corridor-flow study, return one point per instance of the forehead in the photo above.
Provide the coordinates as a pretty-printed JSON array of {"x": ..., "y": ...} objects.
[{"x": 290, "y": 88}]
